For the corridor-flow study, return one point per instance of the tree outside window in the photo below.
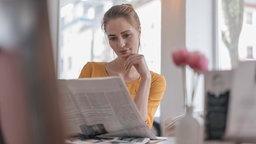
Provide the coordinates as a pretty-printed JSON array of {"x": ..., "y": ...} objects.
[{"x": 237, "y": 31}]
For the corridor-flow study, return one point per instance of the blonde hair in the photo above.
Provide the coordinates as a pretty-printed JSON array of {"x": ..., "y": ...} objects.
[{"x": 122, "y": 11}]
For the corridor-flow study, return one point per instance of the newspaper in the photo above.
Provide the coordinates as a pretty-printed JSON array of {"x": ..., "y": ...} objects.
[
  {"x": 102, "y": 107},
  {"x": 241, "y": 123},
  {"x": 119, "y": 140}
]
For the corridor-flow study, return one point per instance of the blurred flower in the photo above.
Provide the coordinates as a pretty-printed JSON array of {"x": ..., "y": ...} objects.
[
  {"x": 180, "y": 57},
  {"x": 196, "y": 61}
]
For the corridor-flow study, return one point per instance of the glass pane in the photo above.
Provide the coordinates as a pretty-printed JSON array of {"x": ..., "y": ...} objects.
[
  {"x": 83, "y": 40},
  {"x": 237, "y": 32}
]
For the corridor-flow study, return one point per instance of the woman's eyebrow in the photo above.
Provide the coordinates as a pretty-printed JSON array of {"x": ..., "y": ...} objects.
[
  {"x": 111, "y": 35},
  {"x": 125, "y": 31}
]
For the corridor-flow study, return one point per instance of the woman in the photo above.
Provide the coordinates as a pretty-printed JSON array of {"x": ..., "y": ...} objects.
[{"x": 122, "y": 27}]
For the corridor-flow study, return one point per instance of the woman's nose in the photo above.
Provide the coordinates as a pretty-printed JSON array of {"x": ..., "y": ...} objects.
[{"x": 121, "y": 43}]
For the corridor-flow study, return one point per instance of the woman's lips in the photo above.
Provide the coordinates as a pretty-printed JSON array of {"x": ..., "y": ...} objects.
[{"x": 123, "y": 52}]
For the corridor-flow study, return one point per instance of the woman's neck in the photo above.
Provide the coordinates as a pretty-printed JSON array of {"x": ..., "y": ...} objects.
[{"x": 118, "y": 64}]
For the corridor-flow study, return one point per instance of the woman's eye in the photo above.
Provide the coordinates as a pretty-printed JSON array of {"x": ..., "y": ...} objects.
[
  {"x": 112, "y": 38},
  {"x": 126, "y": 35}
]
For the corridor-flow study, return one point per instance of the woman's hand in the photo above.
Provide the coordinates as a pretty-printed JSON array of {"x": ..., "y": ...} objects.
[{"x": 138, "y": 61}]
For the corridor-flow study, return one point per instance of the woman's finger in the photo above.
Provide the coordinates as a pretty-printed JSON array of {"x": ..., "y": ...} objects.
[{"x": 136, "y": 61}]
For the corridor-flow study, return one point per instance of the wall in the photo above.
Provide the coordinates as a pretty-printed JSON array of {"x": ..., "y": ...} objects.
[{"x": 173, "y": 37}]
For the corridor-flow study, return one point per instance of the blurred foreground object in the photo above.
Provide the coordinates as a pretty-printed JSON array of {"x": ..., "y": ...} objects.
[{"x": 29, "y": 106}]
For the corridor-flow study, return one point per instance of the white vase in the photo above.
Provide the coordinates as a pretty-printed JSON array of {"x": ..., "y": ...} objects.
[{"x": 189, "y": 129}]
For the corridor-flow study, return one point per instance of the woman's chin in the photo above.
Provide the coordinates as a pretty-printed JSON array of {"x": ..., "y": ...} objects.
[{"x": 124, "y": 57}]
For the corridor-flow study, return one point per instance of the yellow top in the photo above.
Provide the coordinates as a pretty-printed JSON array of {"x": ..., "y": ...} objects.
[{"x": 158, "y": 84}]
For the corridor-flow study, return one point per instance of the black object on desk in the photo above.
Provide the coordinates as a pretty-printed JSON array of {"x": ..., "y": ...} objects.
[
  {"x": 216, "y": 115},
  {"x": 1, "y": 138},
  {"x": 93, "y": 130}
]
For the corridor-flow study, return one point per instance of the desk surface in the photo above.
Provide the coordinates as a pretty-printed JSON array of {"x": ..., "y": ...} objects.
[{"x": 166, "y": 140}]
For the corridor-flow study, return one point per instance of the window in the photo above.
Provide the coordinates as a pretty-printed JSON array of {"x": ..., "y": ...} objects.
[
  {"x": 248, "y": 17},
  {"x": 233, "y": 35},
  {"x": 236, "y": 40},
  {"x": 249, "y": 52}
]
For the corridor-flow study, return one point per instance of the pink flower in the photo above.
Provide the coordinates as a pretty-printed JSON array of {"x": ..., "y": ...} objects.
[
  {"x": 180, "y": 57},
  {"x": 198, "y": 62}
]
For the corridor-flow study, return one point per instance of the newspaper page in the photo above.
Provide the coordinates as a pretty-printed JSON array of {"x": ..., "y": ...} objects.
[
  {"x": 242, "y": 117},
  {"x": 101, "y": 106},
  {"x": 115, "y": 140}
]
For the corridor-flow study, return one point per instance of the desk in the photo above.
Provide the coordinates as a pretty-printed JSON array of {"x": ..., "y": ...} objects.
[{"x": 168, "y": 140}]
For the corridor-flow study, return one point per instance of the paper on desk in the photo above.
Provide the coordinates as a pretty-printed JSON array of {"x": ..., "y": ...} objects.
[
  {"x": 241, "y": 122},
  {"x": 115, "y": 140},
  {"x": 103, "y": 104}
]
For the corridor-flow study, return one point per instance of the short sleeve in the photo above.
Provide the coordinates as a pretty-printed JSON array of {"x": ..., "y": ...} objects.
[{"x": 86, "y": 70}]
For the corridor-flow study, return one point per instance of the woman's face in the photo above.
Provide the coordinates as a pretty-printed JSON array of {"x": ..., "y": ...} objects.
[{"x": 123, "y": 37}]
